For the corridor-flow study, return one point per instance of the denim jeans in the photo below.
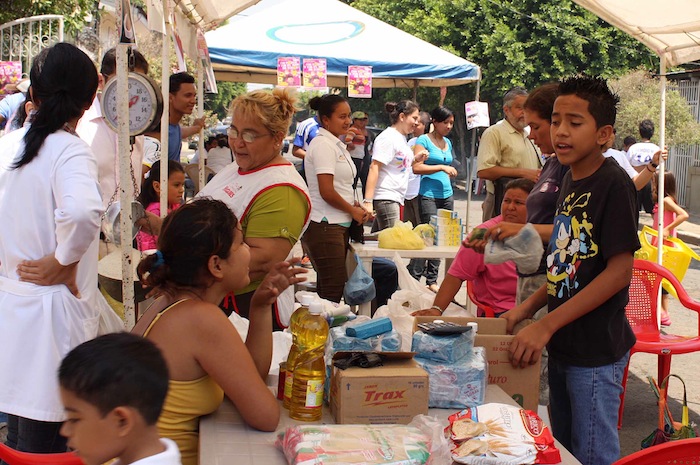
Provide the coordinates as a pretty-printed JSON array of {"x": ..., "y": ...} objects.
[
  {"x": 418, "y": 266},
  {"x": 387, "y": 213},
  {"x": 27, "y": 435},
  {"x": 327, "y": 245},
  {"x": 584, "y": 402}
]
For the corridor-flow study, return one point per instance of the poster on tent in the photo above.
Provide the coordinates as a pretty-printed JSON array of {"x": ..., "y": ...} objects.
[
  {"x": 315, "y": 77},
  {"x": 289, "y": 72},
  {"x": 477, "y": 114},
  {"x": 360, "y": 81},
  {"x": 127, "y": 35},
  {"x": 156, "y": 18},
  {"x": 10, "y": 73},
  {"x": 203, "y": 53},
  {"x": 177, "y": 43}
]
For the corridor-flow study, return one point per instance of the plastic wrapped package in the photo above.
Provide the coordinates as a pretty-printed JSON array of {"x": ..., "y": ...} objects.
[
  {"x": 501, "y": 434},
  {"x": 345, "y": 444},
  {"x": 339, "y": 341},
  {"x": 400, "y": 236},
  {"x": 460, "y": 384},
  {"x": 443, "y": 348}
]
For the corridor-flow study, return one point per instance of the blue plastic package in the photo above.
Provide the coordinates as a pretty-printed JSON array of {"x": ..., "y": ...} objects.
[{"x": 443, "y": 348}]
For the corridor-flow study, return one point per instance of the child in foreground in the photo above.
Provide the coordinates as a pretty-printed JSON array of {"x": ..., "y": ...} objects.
[
  {"x": 113, "y": 388},
  {"x": 589, "y": 268}
]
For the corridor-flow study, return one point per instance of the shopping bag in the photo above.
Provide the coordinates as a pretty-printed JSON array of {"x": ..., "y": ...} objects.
[
  {"x": 359, "y": 287},
  {"x": 668, "y": 430}
]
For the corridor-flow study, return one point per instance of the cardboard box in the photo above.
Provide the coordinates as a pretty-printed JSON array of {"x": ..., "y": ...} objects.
[
  {"x": 388, "y": 394},
  {"x": 522, "y": 384}
]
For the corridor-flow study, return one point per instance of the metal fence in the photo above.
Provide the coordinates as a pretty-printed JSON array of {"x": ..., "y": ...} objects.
[
  {"x": 22, "y": 39},
  {"x": 682, "y": 157}
]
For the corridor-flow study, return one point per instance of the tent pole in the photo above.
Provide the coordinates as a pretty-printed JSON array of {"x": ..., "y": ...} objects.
[
  {"x": 660, "y": 186},
  {"x": 471, "y": 160},
  {"x": 200, "y": 113},
  {"x": 415, "y": 90},
  {"x": 165, "y": 120}
]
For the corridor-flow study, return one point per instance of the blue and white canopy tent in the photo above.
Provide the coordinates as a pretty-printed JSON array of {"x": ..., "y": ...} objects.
[{"x": 246, "y": 49}]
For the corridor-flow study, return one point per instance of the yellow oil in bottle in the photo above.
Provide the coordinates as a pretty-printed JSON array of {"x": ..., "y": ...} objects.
[{"x": 294, "y": 320}]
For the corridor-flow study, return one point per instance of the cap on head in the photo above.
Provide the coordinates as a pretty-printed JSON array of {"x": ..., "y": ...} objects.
[{"x": 359, "y": 115}]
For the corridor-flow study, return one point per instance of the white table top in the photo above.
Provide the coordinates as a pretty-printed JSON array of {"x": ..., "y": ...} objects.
[
  {"x": 224, "y": 438},
  {"x": 371, "y": 249}
]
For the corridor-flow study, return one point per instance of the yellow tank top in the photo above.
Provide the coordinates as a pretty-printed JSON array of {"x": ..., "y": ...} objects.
[{"x": 185, "y": 403}]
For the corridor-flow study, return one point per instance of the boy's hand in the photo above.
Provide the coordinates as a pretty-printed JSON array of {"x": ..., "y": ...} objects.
[
  {"x": 426, "y": 312},
  {"x": 513, "y": 316},
  {"x": 661, "y": 153},
  {"x": 527, "y": 345}
]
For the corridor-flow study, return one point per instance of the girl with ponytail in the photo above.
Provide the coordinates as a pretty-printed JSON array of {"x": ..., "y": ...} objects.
[{"x": 50, "y": 208}]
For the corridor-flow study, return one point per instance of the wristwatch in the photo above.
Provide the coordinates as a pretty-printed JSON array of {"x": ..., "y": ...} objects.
[
  {"x": 367, "y": 201},
  {"x": 655, "y": 165}
]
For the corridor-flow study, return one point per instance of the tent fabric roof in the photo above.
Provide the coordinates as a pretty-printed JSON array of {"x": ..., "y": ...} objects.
[
  {"x": 247, "y": 48},
  {"x": 670, "y": 29},
  {"x": 208, "y": 14}
]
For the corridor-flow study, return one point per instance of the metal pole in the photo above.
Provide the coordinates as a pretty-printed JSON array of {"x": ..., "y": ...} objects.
[
  {"x": 660, "y": 186},
  {"x": 126, "y": 189},
  {"x": 471, "y": 158},
  {"x": 165, "y": 120},
  {"x": 200, "y": 113}
]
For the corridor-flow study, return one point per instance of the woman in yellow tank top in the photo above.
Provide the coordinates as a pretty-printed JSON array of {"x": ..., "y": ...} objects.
[{"x": 201, "y": 257}]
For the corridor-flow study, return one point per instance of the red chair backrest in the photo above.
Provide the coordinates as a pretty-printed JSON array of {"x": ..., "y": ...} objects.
[
  {"x": 641, "y": 308},
  {"x": 682, "y": 451},
  {"x": 14, "y": 457},
  {"x": 488, "y": 311}
]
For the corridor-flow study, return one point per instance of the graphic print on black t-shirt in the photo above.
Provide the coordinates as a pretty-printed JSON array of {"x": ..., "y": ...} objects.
[{"x": 571, "y": 242}]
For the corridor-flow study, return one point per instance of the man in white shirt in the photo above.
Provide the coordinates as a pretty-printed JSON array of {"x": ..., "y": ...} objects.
[{"x": 640, "y": 155}]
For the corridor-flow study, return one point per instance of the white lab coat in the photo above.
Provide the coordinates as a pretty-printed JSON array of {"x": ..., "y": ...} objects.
[{"x": 52, "y": 205}]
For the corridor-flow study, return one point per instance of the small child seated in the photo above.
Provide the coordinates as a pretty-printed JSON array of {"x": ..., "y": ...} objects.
[{"x": 113, "y": 388}]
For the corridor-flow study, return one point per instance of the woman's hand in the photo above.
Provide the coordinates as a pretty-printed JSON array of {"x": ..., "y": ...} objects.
[
  {"x": 420, "y": 156},
  {"x": 361, "y": 214},
  {"x": 47, "y": 271},
  {"x": 478, "y": 245},
  {"x": 280, "y": 277},
  {"x": 450, "y": 170},
  {"x": 503, "y": 231},
  {"x": 427, "y": 312}
]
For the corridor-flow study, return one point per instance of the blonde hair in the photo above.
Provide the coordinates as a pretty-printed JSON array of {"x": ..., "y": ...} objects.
[{"x": 274, "y": 110}]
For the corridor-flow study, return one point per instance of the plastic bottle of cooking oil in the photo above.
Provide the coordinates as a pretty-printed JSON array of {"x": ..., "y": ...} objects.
[
  {"x": 294, "y": 351},
  {"x": 310, "y": 370}
]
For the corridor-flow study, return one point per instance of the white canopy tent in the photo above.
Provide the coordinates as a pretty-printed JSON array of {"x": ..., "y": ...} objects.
[
  {"x": 247, "y": 48},
  {"x": 671, "y": 29}
]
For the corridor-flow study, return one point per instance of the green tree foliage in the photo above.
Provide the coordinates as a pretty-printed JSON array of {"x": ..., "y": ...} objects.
[
  {"x": 74, "y": 11},
  {"x": 639, "y": 99},
  {"x": 219, "y": 103}
]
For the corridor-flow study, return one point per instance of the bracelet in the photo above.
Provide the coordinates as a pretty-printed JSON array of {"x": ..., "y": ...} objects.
[
  {"x": 651, "y": 171},
  {"x": 655, "y": 165},
  {"x": 367, "y": 201},
  {"x": 435, "y": 307}
]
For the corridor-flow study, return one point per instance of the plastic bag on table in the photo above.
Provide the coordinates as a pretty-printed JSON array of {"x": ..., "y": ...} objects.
[
  {"x": 345, "y": 444},
  {"x": 433, "y": 428},
  {"x": 426, "y": 232},
  {"x": 525, "y": 249},
  {"x": 400, "y": 236},
  {"x": 457, "y": 385}
]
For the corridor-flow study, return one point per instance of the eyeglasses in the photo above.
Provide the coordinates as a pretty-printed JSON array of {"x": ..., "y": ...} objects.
[{"x": 247, "y": 136}]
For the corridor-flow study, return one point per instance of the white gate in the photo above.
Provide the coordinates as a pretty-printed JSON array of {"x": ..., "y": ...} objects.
[{"x": 23, "y": 39}]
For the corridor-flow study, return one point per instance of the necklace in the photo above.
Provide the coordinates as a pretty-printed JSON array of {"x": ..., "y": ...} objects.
[
  {"x": 69, "y": 129},
  {"x": 441, "y": 144}
]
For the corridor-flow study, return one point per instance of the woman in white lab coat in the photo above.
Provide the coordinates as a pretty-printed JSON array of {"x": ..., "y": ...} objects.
[{"x": 50, "y": 209}]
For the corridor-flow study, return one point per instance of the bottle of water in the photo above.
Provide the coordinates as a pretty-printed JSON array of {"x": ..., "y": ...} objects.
[
  {"x": 294, "y": 320},
  {"x": 310, "y": 369}
]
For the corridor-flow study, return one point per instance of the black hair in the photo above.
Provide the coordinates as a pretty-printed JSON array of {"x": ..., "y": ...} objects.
[
  {"x": 64, "y": 83},
  {"x": 646, "y": 128},
  {"x": 21, "y": 115},
  {"x": 541, "y": 100},
  {"x": 440, "y": 114},
  {"x": 109, "y": 62},
  {"x": 326, "y": 104},
  {"x": 523, "y": 184},
  {"x": 629, "y": 140},
  {"x": 177, "y": 79},
  {"x": 148, "y": 193},
  {"x": 117, "y": 370},
  {"x": 669, "y": 186},
  {"x": 207, "y": 227},
  {"x": 395, "y": 109},
  {"x": 602, "y": 102}
]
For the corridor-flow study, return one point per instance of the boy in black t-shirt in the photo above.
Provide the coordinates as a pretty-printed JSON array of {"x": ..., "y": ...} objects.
[{"x": 589, "y": 268}]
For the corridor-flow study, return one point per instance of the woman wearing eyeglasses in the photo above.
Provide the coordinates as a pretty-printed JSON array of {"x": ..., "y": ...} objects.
[{"x": 264, "y": 190}]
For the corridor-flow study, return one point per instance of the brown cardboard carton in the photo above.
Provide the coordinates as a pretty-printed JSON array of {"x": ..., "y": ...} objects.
[
  {"x": 392, "y": 393},
  {"x": 522, "y": 384}
]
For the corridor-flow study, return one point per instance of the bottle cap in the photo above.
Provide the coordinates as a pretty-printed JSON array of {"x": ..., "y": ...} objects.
[
  {"x": 316, "y": 308},
  {"x": 306, "y": 299}
]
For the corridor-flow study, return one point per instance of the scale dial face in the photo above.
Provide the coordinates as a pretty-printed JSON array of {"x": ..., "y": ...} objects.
[{"x": 145, "y": 104}]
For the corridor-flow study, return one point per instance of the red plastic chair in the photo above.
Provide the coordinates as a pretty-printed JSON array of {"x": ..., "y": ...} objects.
[
  {"x": 14, "y": 457},
  {"x": 488, "y": 311},
  {"x": 674, "y": 452},
  {"x": 642, "y": 314}
]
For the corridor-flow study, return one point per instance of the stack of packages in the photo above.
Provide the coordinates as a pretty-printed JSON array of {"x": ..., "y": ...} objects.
[
  {"x": 361, "y": 335},
  {"x": 448, "y": 227},
  {"x": 457, "y": 370}
]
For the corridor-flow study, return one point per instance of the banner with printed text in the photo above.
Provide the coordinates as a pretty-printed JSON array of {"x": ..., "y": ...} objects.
[
  {"x": 288, "y": 72},
  {"x": 315, "y": 73},
  {"x": 10, "y": 73},
  {"x": 360, "y": 81}
]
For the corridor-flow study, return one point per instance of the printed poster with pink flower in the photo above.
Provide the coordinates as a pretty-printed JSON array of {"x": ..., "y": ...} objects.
[
  {"x": 360, "y": 81},
  {"x": 288, "y": 72},
  {"x": 10, "y": 73},
  {"x": 315, "y": 73}
]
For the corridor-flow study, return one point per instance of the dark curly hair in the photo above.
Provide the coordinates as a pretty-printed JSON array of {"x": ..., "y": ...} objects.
[{"x": 189, "y": 237}]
